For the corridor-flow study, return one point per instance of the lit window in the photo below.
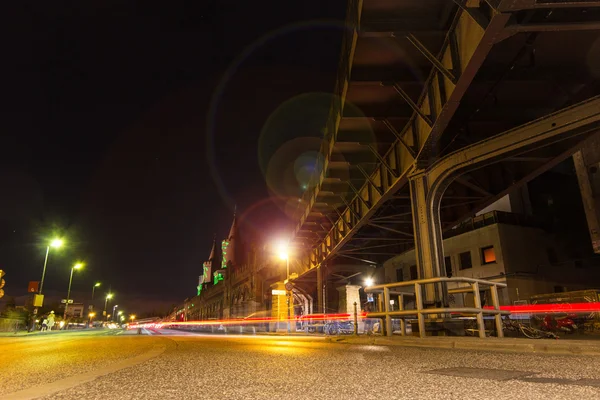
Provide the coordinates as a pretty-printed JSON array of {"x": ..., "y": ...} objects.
[{"x": 488, "y": 255}]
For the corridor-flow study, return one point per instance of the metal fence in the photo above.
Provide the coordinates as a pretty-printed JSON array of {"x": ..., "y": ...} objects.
[{"x": 463, "y": 285}]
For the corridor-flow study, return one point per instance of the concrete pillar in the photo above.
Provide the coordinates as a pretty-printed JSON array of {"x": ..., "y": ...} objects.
[
  {"x": 587, "y": 166},
  {"x": 428, "y": 237},
  {"x": 348, "y": 295}
]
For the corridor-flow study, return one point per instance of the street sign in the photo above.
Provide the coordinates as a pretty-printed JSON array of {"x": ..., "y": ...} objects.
[
  {"x": 289, "y": 286},
  {"x": 370, "y": 297},
  {"x": 33, "y": 287},
  {"x": 38, "y": 300},
  {"x": 276, "y": 292}
]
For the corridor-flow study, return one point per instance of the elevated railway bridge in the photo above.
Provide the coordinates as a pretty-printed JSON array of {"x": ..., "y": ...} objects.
[{"x": 442, "y": 107}]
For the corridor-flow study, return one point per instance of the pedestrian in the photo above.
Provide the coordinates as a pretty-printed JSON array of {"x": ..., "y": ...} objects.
[
  {"x": 50, "y": 323},
  {"x": 44, "y": 325}
]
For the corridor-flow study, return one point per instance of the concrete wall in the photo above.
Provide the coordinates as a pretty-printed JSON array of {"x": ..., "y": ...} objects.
[
  {"x": 471, "y": 242},
  {"x": 525, "y": 249}
]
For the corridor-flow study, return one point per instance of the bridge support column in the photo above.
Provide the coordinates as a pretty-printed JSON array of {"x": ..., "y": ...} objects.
[
  {"x": 320, "y": 298},
  {"x": 428, "y": 235},
  {"x": 587, "y": 166}
]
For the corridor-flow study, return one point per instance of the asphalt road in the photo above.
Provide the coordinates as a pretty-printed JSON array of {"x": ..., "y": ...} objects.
[{"x": 117, "y": 365}]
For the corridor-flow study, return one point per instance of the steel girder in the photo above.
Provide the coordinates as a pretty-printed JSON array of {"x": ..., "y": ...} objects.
[
  {"x": 427, "y": 186},
  {"x": 471, "y": 36},
  {"x": 464, "y": 51}
]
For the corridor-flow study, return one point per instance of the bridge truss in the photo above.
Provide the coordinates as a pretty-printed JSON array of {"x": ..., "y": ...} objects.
[{"x": 425, "y": 84}]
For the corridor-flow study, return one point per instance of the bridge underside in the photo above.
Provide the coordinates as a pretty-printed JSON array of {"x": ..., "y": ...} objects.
[{"x": 423, "y": 81}]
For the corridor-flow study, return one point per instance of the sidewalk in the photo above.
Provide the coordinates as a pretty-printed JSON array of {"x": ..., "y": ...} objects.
[{"x": 509, "y": 345}]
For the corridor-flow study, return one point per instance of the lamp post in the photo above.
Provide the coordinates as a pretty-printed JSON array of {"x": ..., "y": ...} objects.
[
  {"x": 56, "y": 243},
  {"x": 76, "y": 266},
  {"x": 108, "y": 296},
  {"x": 97, "y": 284},
  {"x": 283, "y": 254},
  {"x": 112, "y": 318}
]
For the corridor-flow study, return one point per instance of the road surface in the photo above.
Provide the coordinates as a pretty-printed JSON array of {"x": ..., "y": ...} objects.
[{"x": 173, "y": 365}]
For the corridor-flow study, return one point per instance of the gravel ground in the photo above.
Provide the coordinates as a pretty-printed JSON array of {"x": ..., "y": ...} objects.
[
  {"x": 40, "y": 359},
  {"x": 207, "y": 367}
]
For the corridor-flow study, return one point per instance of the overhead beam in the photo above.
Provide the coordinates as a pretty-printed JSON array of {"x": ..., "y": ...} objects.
[
  {"x": 553, "y": 27},
  {"x": 518, "y": 5}
]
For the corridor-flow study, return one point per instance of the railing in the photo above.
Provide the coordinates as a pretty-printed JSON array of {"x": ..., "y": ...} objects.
[
  {"x": 473, "y": 286},
  {"x": 495, "y": 217}
]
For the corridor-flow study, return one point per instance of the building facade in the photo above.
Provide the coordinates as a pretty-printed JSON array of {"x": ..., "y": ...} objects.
[
  {"x": 234, "y": 282},
  {"x": 508, "y": 248}
]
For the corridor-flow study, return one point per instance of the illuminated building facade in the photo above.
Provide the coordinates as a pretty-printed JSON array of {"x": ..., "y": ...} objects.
[{"x": 235, "y": 282}]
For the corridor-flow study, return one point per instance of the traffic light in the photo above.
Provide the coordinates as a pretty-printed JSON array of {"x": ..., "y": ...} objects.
[{"x": 2, "y": 283}]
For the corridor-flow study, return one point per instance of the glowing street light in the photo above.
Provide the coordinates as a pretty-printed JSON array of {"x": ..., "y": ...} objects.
[
  {"x": 76, "y": 266},
  {"x": 369, "y": 282},
  {"x": 132, "y": 317},
  {"x": 108, "y": 296}
]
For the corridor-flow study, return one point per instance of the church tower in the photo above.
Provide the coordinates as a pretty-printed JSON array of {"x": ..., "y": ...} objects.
[
  {"x": 230, "y": 247},
  {"x": 208, "y": 266}
]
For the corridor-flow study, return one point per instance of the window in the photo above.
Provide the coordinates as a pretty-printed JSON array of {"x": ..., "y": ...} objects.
[
  {"x": 448, "y": 264},
  {"x": 488, "y": 255},
  {"x": 413, "y": 273},
  {"x": 399, "y": 275},
  {"x": 465, "y": 260}
]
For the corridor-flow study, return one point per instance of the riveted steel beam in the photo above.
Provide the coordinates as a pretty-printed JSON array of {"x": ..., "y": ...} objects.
[
  {"x": 400, "y": 137},
  {"x": 432, "y": 59},
  {"x": 518, "y": 5},
  {"x": 553, "y": 27}
]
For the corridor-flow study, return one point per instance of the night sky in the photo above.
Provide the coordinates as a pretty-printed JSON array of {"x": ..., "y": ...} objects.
[{"x": 134, "y": 128}]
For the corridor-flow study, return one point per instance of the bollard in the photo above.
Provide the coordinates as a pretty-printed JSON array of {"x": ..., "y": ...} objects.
[{"x": 355, "y": 320}]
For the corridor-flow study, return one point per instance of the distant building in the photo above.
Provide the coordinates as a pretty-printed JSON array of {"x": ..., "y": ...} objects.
[
  {"x": 234, "y": 282},
  {"x": 75, "y": 310}
]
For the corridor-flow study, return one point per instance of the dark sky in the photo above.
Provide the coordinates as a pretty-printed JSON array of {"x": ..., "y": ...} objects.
[{"x": 132, "y": 128}]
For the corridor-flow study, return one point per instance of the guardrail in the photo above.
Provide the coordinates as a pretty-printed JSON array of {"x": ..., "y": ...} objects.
[{"x": 473, "y": 286}]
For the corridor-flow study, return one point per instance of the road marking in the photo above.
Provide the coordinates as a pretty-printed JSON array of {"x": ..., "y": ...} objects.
[{"x": 47, "y": 389}]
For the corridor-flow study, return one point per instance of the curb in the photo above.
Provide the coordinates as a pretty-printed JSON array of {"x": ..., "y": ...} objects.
[{"x": 537, "y": 346}]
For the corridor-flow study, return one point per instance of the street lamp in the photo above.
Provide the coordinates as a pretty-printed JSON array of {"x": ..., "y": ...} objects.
[
  {"x": 284, "y": 255},
  {"x": 132, "y": 317},
  {"x": 76, "y": 266},
  {"x": 97, "y": 284},
  {"x": 369, "y": 282},
  {"x": 108, "y": 296},
  {"x": 56, "y": 243}
]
